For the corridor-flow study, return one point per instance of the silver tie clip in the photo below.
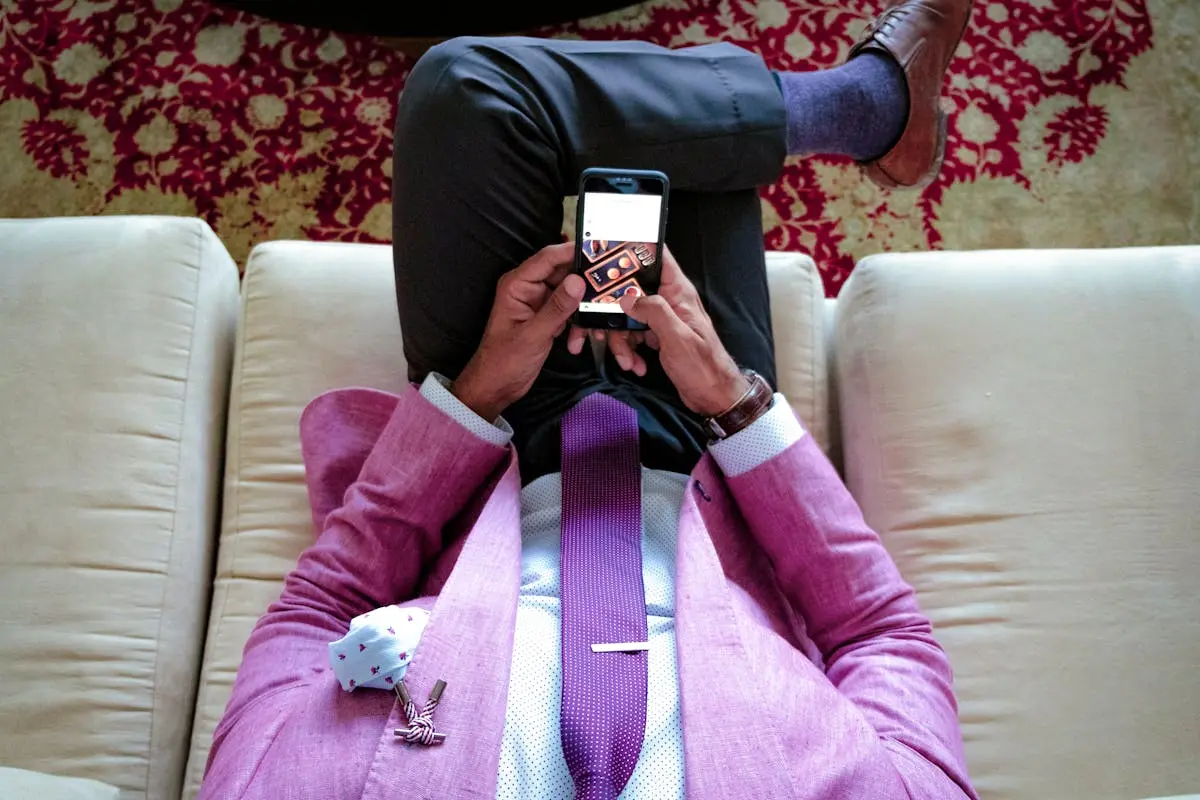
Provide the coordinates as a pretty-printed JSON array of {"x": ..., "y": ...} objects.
[{"x": 620, "y": 647}]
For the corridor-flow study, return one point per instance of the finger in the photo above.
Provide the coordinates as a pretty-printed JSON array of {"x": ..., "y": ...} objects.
[
  {"x": 530, "y": 294},
  {"x": 674, "y": 282},
  {"x": 561, "y": 272},
  {"x": 636, "y": 338},
  {"x": 658, "y": 314},
  {"x": 652, "y": 340},
  {"x": 576, "y": 340},
  {"x": 558, "y": 308},
  {"x": 546, "y": 262},
  {"x": 621, "y": 345},
  {"x": 672, "y": 273}
]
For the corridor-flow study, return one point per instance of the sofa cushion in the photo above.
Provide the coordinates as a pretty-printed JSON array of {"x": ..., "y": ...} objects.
[
  {"x": 21, "y": 784},
  {"x": 321, "y": 316},
  {"x": 1023, "y": 430},
  {"x": 118, "y": 338}
]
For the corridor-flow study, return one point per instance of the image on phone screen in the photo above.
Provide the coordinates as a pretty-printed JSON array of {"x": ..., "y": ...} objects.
[{"x": 619, "y": 245}]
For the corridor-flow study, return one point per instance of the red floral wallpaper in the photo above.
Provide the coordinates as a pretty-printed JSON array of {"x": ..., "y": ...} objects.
[{"x": 269, "y": 130}]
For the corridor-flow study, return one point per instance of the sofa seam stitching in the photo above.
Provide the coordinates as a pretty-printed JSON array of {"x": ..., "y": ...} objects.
[
  {"x": 239, "y": 359},
  {"x": 187, "y": 386},
  {"x": 819, "y": 377}
]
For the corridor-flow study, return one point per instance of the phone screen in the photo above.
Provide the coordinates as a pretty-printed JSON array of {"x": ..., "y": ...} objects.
[{"x": 618, "y": 243}]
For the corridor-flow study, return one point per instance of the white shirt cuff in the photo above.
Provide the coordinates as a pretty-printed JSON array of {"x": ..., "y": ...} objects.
[
  {"x": 436, "y": 389},
  {"x": 760, "y": 441}
]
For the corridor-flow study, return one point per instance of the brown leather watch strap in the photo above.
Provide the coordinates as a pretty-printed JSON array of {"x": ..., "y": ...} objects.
[{"x": 754, "y": 404}]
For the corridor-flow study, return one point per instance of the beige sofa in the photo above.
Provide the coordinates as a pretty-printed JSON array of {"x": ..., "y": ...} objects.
[{"x": 1023, "y": 428}]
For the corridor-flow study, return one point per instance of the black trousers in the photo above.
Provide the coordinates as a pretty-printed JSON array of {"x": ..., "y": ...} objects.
[{"x": 491, "y": 134}]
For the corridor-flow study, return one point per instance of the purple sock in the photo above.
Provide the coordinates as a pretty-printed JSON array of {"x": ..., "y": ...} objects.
[{"x": 859, "y": 109}]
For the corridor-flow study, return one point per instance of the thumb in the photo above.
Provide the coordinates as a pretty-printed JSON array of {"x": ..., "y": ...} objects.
[{"x": 559, "y": 307}]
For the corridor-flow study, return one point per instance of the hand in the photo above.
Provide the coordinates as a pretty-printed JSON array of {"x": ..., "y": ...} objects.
[
  {"x": 533, "y": 304},
  {"x": 708, "y": 380},
  {"x": 622, "y": 344}
]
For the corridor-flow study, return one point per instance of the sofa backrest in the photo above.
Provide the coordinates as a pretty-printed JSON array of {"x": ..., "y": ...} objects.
[
  {"x": 1023, "y": 430},
  {"x": 114, "y": 370}
]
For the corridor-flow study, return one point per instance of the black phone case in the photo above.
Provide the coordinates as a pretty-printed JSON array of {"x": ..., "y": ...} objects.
[{"x": 583, "y": 263}]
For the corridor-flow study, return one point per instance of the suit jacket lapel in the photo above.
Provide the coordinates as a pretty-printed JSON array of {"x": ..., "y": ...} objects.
[
  {"x": 468, "y": 639},
  {"x": 729, "y": 750},
  {"x": 467, "y": 643}
]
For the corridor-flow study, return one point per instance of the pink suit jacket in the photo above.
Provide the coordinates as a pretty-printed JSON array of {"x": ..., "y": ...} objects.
[{"x": 771, "y": 565}]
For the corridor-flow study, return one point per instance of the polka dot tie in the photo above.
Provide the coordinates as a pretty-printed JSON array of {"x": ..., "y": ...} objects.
[{"x": 603, "y": 601}]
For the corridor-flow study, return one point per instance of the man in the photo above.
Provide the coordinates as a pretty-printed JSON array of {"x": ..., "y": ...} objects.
[{"x": 735, "y": 629}]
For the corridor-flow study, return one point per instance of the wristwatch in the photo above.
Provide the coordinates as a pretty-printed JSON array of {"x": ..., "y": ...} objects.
[{"x": 752, "y": 405}]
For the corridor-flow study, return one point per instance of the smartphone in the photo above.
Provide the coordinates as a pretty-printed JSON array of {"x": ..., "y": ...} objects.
[{"x": 620, "y": 221}]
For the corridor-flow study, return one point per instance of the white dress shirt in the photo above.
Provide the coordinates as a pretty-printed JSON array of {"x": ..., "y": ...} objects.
[{"x": 531, "y": 757}]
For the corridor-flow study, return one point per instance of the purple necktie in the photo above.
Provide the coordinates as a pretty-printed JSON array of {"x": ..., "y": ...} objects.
[{"x": 603, "y": 601}]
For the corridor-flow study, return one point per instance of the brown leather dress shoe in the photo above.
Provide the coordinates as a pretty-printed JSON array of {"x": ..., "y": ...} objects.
[{"x": 921, "y": 36}]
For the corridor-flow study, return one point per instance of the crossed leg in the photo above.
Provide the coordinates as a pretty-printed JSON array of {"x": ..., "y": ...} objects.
[{"x": 492, "y": 133}]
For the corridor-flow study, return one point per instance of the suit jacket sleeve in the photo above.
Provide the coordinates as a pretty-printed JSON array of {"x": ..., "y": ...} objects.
[
  {"x": 421, "y": 471},
  {"x": 878, "y": 648}
]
